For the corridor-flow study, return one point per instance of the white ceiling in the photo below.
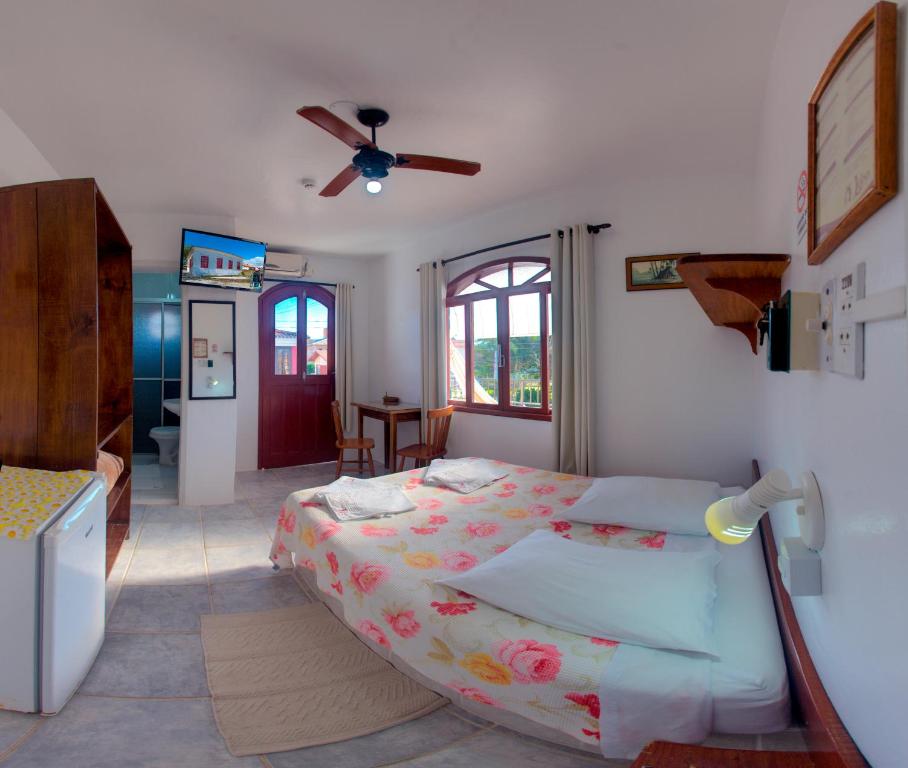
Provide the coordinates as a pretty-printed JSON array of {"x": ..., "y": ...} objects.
[{"x": 188, "y": 107}]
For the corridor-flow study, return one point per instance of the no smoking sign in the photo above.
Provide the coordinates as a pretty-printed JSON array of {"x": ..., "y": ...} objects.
[{"x": 801, "y": 207}]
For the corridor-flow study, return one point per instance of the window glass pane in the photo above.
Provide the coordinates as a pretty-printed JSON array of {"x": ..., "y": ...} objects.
[
  {"x": 499, "y": 279},
  {"x": 472, "y": 288},
  {"x": 285, "y": 337},
  {"x": 146, "y": 341},
  {"x": 146, "y": 413},
  {"x": 546, "y": 278},
  {"x": 523, "y": 272},
  {"x": 457, "y": 341},
  {"x": 485, "y": 351},
  {"x": 525, "y": 326},
  {"x": 173, "y": 330},
  {"x": 548, "y": 300},
  {"x": 316, "y": 337}
]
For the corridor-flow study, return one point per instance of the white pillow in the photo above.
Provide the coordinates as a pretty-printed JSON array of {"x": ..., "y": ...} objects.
[
  {"x": 647, "y": 503},
  {"x": 350, "y": 498},
  {"x": 651, "y": 598},
  {"x": 463, "y": 475}
]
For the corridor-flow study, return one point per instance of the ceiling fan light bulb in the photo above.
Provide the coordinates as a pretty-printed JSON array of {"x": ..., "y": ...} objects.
[{"x": 373, "y": 186}]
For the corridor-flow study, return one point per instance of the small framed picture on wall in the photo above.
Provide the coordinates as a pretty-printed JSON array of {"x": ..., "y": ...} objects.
[
  {"x": 852, "y": 133},
  {"x": 653, "y": 273}
]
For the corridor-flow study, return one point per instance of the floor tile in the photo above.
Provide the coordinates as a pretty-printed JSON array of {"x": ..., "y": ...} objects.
[
  {"x": 164, "y": 566},
  {"x": 790, "y": 740},
  {"x": 401, "y": 742},
  {"x": 116, "y": 733},
  {"x": 475, "y": 719},
  {"x": 260, "y": 595},
  {"x": 239, "y": 510},
  {"x": 170, "y": 535},
  {"x": 732, "y": 741},
  {"x": 271, "y": 501},
  {"x": 170, "y": 513},
  {"x": 248, "y": 561},
  {"x": 13, "y": 726},
  {"x": 268, "y": 520},
  {"x": 226, "y": 533},
  {"x": 159, "y": 608},
  {"x": 501, "y": 748},
  {"x": 148, "y": 665},
  {"x": 111, "y": 594}
]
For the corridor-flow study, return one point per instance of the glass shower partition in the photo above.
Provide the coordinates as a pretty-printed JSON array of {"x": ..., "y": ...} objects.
[{"x": 157, "y": 327}]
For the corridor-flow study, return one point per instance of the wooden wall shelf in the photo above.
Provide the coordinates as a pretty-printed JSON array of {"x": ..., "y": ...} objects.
[{"x": 733, "y": 288}]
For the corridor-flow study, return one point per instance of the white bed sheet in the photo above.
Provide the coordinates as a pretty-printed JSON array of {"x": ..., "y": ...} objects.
[{"x": 750, "y": 648}]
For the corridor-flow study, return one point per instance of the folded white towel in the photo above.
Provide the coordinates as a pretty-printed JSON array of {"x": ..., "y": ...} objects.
[
  {"x": 350, "y": 498},
  {"x": 463, "y": 475}
]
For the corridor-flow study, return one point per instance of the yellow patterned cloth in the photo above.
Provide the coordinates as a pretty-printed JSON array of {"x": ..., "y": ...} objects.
[{"x": 28, "y": 497}]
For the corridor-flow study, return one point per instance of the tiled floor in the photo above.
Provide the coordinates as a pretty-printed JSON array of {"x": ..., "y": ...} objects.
[
  {"x": 152, "y": 483},
  {"x": 145, "y": 701}
]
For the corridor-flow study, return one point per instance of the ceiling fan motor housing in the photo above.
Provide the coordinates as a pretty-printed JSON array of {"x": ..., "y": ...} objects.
[{"x": 373, "y": 163}]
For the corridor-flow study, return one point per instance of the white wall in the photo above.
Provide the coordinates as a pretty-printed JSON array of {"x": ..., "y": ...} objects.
[
  {"x": 325, "y": 269},
  {"x": 666, "y": 376},
  {"x": 156, "y": 247},
  {"x": 20, "y": 161},
  {"x": 208, "y": 428},
  {"x": 853, "y": 434}
]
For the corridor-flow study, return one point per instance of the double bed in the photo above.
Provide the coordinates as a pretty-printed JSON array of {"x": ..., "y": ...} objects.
[{"x": 379, "y": 576}]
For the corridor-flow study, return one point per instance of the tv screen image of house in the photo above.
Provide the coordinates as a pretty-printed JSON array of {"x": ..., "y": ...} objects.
[{"x": 221, "y": 261}]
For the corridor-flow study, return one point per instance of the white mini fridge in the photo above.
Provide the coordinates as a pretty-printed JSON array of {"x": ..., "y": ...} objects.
[{"x": 52, "y": 584}]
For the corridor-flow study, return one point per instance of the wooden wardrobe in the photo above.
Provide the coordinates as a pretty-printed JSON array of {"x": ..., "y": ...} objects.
[{"x": 66, "y": 335}]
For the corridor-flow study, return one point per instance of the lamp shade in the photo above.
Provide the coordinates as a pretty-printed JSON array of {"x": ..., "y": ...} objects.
[{"x": 732, "y": 520}]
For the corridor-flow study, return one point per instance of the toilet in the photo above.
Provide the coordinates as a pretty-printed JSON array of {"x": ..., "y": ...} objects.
[{"x": 168, "y": 440}]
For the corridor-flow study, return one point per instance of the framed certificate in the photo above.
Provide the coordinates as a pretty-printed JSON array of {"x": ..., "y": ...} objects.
[{"x": 852, "y": 133}]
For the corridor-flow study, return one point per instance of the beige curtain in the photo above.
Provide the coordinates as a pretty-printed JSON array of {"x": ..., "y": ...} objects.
[
  {"x": 343, "y": 351},
  {"x": 572, "y": 340},
  {"x": 431, "y": 336}
]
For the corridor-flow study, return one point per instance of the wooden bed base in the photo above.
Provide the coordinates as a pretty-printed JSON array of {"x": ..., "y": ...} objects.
[{"x": 828, "y": 742}]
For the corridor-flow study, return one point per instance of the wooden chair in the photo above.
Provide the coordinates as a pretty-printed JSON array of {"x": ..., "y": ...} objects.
[
  {"x": 439, "y": 423},
  {"x": 359, "y": 444}
]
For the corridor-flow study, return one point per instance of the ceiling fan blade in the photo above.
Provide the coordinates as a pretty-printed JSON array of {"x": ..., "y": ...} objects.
[
  {"x": 335, "y": 126},
  {"x": 443, "y": 164},
  {"x": 340, "y": 182}
]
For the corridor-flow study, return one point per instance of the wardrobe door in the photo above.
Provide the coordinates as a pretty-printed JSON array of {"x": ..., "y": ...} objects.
[
  {"x": 68, "y": 327},
  {"x": 19, "y": 327}
]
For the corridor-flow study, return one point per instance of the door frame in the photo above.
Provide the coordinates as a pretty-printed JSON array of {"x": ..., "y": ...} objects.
[{"x": 277, "y": 293}]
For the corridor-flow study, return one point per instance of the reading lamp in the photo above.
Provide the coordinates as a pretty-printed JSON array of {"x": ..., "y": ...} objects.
[{"x": 732, "y": 520}]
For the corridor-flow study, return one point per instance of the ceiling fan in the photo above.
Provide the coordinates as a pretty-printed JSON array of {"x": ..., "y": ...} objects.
[{"x": 370, "y": 161}]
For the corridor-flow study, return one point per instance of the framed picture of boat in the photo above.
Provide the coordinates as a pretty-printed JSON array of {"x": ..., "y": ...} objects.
[{"x": 653, "y": 273}]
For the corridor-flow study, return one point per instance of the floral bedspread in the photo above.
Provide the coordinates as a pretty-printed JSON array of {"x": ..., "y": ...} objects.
[{"x": 384, "y": 570}]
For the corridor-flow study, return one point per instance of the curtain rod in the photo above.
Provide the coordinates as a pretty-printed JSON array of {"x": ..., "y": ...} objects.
[
  {"x": 593, "y": 229},
  {"x": 304, "y": 282}
]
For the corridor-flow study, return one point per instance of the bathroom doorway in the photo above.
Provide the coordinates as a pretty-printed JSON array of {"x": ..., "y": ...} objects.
[{"x": 157, "y": 330}]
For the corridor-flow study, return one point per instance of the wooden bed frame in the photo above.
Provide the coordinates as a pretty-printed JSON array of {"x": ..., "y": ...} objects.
[{"x": 828, "y": 741}]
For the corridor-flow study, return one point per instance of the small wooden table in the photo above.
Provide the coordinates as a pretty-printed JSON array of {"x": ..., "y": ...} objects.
[{"x": 391, "y": 415}]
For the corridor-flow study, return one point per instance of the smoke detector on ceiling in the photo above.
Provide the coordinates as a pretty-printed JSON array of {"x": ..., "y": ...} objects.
[{"x": 308, "y": 183}]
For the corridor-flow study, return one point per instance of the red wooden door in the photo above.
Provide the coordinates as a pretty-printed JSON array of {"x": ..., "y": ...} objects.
[{"x": 296, "y": 376}]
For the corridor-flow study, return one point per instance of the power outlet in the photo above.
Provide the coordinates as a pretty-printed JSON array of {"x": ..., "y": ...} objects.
[{"x": 848, "y": 335}]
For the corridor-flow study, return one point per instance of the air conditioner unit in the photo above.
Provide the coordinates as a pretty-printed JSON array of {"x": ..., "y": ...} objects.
[{"x": 282, "y": 264}]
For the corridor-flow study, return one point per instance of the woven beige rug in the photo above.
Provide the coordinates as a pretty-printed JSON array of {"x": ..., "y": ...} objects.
[{"x": 297, "y": 677}]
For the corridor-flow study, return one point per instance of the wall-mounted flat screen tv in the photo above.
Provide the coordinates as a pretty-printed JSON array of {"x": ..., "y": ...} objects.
[{"x": 221, "y": 261}]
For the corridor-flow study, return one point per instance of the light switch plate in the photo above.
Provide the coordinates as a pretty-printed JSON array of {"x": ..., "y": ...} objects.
[
  {"x": 848, "y": 336},
  {"x": 827, "y": 307}
]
